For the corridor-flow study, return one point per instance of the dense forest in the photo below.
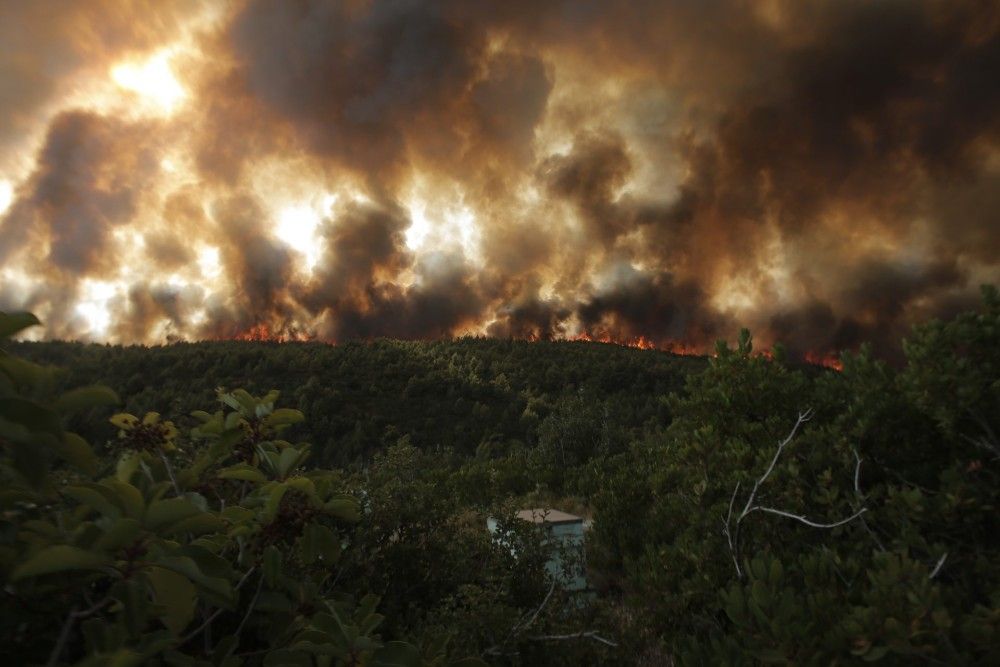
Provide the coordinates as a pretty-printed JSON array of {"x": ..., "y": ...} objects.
[
  {"x": 360, "y": 398},
  {"x": 227, "y": 503}
]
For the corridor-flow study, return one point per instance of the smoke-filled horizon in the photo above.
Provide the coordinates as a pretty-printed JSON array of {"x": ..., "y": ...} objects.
[{"x": 822, "y": 172}]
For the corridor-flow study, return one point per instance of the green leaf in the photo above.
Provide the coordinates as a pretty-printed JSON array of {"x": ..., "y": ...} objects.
[
  {"x": 127, "y": 465},
  {"x": 176, "y": 594},
  {"x": 771, "y": 656},
  {"x": 327, "y": 543},
  {"x": 274, "y": 496},
  {"x": 272, "y": 566},
  {"x": 58, "y": 558},
  {"x": 124, "y": 420},
  {"x": 283, "y": 417},
  {"x": 343, "y": 507},
  {"x": 75, "y": 450},
  {"x": 130, "y": 497},
  {"x": 84, "y": 398},
  {"x": 11, "y": 323},
  {"x": 287, "y": 658},
  {"x": 331, "y": 625},
  {"x": 29, "y": 452},
  {"x": 397, "y": 654},
  {"x": 200, "y": 524},
  {"x": 23, "y": 372},
  {"x": 288, "y": 461},
  {"x": 187, "y": 567},
  {"x": 876, "y": 653},
  {"x": 122, "y": 532},
  {"x": 98, "y": 497},
  {"x": 303, "y": 484},
  {"x": 164, "y": 512},
  {"x": 208, "y": 562},
  {"x": 31, "y": 415},
  {"x": 242, "y": 471}
]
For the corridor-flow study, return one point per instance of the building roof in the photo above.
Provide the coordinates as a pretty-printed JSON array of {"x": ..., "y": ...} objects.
[{"x": 542, "y": 515}]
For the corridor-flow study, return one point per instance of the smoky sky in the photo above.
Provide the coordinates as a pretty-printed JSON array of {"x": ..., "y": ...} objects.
[{"x": 823, "y": 172}]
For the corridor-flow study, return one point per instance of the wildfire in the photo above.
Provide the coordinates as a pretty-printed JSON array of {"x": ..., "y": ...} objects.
[
  {"x": 827, "y": 360},
  {"x": 260, "y": 333},
  {"x": 639, "y": 342}
]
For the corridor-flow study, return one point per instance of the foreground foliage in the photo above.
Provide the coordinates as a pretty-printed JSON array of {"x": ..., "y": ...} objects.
[
  {"x": 874, "y": 536},
  {"x": 214, "y": 548},
  {"x": 746, "y": 510}
]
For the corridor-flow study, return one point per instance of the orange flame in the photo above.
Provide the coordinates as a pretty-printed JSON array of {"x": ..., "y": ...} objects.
[
  {"x": 261, "y": 333},
  {"x": 827, "y": 360},
  {"x": 639, "y": 342}
]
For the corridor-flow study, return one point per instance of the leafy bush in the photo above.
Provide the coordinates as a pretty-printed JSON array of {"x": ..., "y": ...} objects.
[{"x": 211, "y": 547}]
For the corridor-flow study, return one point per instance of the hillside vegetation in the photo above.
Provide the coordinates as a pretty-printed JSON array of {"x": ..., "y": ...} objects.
[
  {"x": 744, "y": 510},
  {"x": 363, "y": 397}
]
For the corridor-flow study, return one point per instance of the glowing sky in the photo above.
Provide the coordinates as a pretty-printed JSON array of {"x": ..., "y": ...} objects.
[{"x": 824, "y": 172}]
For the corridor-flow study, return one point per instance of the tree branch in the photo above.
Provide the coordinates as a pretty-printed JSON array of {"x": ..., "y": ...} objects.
[
  {"x": 728, "y": 533},
  {"x": 170, "y": 471},
  {"x": 239, "y": 628},
  {"x": 731, "y": 529},
  {"x": 803, "y": 418},
  {"x": 588, "y": 634},
  {"x": 803, "y": 519},
  {"x": 940, "y": 563},
  {"x": 520, "y": 626},
  {"x": 857, "y": 490},
  {"x": 67, "y": 627},
  {"x": 208, "y": 621}
]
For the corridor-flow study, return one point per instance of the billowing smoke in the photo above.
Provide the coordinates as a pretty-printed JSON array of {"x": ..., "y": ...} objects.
[{"x": 824, "y": 172}]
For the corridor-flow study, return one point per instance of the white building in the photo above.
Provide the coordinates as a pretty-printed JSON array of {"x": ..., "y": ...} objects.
[{"x": 564, "y": 535}]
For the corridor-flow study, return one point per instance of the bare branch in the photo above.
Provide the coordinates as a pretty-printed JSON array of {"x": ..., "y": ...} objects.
[
  {"x": 988, "y": 440},
  {"x": 857, "y": 490},
  {"x": 590, "y": 634},
  {"x": 728, "y": 533},
  {"x": 857, "y": 475},
  {"x": 803, "y": 418},
  {"x": 71, "y": 619},
  {"x": 731, "y": 529},
  {"x": 521, "y": 626},
  {"x": 803, "y": 519},
  {"x": 239, "y": 628},
  {"x": 983, "y": 443},
  {"x": 540, "y": 607},
  {"x": 937, "y": 568},
  {"x": 170, "y": 471},
  {"x": 208, "y": 621}
]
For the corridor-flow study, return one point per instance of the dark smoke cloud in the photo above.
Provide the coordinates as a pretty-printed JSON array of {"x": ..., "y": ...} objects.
[
  {"x": 46, "y": 44},
  {"x": 356, "y": 294},
  {"x": 149, "y": 305},
  {"x": 589, "y": 177},
  {"x": 653, "y": 306},
  {"x": 260, "y": 266},
  {"x": 351, "y": 78},
  {"x": 88, "y": 177},
  {"x": 825, "y": 172}
]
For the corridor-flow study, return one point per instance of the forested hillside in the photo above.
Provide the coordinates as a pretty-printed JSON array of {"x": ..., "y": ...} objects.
[
  {"x": 363, "y": 397},
  {"x": 744, "y": 510}
]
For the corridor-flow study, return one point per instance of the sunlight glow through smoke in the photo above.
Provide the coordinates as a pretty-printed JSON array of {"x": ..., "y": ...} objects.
[
  {"x": 208, "y": 262},
  {"x": 297, "y": 226},
  {"x": 6, "y": 196},
  {"x": 152, "y": 80},
  {"x": 420, "y": 227},
  {"x": 93, "y": 306}
]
